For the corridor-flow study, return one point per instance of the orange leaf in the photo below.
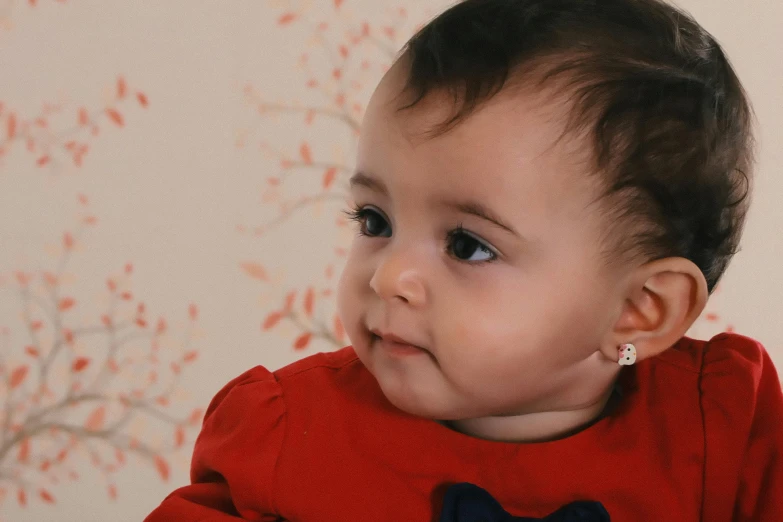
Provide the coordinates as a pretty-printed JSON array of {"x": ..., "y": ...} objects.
[
  {"x": 66, "y": 303},
  {"x": 80, "y": 364},
  {"x": 32, "y": 351},
  {"x": 308, "y": 301},
  {"x": 143, "y": 101},
  {"x": 161, "y": 327},
  {"x": 22, "y": 278},
  {"x": 22, "y": 497},
  {"x": 304, "y": 151},
  {"x": 24, "y": 451},
  {"x": 190, "y": 357},
  {"x": 141, "y": 322},
  {"x": 112, "y": 492},
  {"x": 46, "y": 496},
  {"x": 329, "y": 176},
  {"x": 302, "y": 341},
  {"x": 122, "y": 87},
  {"x": 61, "y": 455},
  {"x": 338, "y": 3},
  {"x": 196, "y": 416},
  {"x": 289, "y": 301},
  {"x": 255, "y": 270},
  {"x": 286, "y": 18},
  {"x": 96, "y": 419},
  {"x": 115, "y": 116},
  {"x": 193, "y": 312},
  {"x": 162, "y": 467},
  {"x": 43, "y": 160},
  {"x": 68, "y": 240},
  {"x": 111, "y": 284},
  {"x": 271, "y": 320},
  {"x": 18, "y": 376},
  {"x": 179, "y": 437},
  {"x": 11, "y": 126},
  {"x": 84, "y": 116},
  {"x": 343, "y": 51},
  {"x": 68, "y": 334},
  {"x": 339, "y": 331}
]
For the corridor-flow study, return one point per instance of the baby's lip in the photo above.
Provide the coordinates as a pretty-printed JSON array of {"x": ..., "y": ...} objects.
[{"x": 390, "y": 336}]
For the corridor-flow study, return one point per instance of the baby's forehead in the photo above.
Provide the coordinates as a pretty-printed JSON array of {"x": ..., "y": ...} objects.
[{"x": 512, "y": 130}]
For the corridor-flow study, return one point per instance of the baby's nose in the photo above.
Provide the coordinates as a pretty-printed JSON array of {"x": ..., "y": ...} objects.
[{"x": 398, "y": 276}]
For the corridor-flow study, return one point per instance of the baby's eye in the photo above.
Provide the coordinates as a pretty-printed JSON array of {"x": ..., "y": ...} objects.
[
  {"x": 371, "y": 223},
  {"x": 465, "y": 247}
]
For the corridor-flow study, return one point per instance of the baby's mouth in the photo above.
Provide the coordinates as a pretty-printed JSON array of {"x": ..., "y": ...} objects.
[{"x": 395, "y": 346}]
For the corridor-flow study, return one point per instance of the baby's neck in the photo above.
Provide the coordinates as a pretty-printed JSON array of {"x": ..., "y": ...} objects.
[{"x": 535, "y": 427}]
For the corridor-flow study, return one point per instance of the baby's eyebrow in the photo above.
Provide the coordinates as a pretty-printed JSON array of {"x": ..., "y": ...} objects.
[
  {"x": 360, "y": 179},
  {"x": 477, "y": 209},
  {"x": 473, "y": 208}
]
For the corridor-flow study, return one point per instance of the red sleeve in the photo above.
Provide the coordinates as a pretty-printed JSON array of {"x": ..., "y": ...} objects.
[
  {"x": 742, "y": 403},
  {"x": 234, "y": 458}
]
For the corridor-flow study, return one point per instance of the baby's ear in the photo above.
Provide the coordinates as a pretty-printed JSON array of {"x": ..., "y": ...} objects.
[{"x": 663, "y": 299}]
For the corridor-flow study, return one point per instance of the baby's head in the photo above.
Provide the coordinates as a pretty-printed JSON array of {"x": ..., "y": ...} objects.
[{"x": 539, "y": 182}]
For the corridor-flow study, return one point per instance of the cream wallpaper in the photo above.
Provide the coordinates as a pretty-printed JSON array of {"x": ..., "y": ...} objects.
[{"x": 171, "y": 175}]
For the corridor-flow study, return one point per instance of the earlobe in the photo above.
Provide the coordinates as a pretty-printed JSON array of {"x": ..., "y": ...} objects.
[{"x": 663, "y": 301}]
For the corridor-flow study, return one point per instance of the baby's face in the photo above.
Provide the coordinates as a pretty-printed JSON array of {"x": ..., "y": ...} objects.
[{"x": 511, "y": 319}]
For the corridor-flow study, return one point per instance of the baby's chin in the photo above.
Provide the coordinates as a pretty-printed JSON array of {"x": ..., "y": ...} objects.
[{"x": 427, "y": 407}]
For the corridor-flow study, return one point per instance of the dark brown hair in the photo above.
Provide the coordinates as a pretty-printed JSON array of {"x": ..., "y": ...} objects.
[{"x": 670, "y": 122}]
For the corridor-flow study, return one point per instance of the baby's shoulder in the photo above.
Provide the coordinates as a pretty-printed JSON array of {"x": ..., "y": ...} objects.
[
  {"x": 740, "y": 403},
  {"x": 323, "y": 362},
  {"x": 725, "y": 355}
]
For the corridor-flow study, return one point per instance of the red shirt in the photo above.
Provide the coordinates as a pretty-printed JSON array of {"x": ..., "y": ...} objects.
[{"x": 696, "y": 437}]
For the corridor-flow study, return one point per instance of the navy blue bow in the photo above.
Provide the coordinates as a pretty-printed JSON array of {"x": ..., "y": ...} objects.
[{"x": 469, "y": 503}]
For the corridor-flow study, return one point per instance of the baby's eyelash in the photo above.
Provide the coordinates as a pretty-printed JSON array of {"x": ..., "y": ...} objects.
[
  {"x": 354, "y": 213},
  {"x": 358, "y": 214}
]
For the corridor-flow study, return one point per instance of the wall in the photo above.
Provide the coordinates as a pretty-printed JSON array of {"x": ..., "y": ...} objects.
[{"x": 170, "y": 180}]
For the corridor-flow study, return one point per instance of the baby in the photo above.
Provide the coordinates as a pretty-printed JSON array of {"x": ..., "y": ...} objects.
[{"x": 546, "y": 193}]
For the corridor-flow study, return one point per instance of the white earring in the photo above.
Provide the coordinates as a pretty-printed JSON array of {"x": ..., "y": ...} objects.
[{"x": 627, "y": 354}]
